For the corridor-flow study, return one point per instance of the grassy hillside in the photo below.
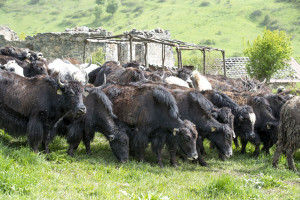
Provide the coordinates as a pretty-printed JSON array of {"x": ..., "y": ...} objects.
[
  {"x": 26, "y": 175},
  {"x": 218, "y": 23}
]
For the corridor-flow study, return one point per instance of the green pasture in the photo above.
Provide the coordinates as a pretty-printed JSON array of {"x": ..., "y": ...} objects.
[
  {"x": 26, "y": 175},
  {"x": 225, "y": 24}
]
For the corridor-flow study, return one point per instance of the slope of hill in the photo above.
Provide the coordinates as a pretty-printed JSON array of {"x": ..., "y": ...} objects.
[{"x": 219, "y": 23}]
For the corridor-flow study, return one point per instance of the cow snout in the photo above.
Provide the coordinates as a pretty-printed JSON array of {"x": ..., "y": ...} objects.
[
  {"x": 81, "y": 110},
  {"x": 252, "y": 135},
  {"x": 194, "y": 156}
]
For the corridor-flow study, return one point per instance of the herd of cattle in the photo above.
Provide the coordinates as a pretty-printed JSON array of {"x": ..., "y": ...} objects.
[{"x": 133, "y": 106}]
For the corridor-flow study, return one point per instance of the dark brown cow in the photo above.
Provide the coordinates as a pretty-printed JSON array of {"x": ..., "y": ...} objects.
[
  {"x": 152, "y": 114},
  {"x": 33, "y": 105}
]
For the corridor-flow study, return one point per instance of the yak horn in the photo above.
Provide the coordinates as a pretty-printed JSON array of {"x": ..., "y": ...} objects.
[
  {"x": 263, "y": 82},
  {"x": 89, "y": 63},
  {"x": 174, "y": 73},
  {"x": 59, "y": 82},
  {"x": 98, "y": 63},
  {"x": 163, "y": 75},
  {"x": 104, "y": 82}
]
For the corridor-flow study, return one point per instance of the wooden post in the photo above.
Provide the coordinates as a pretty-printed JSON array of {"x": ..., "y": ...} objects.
[
  {"x": 130, "y": 43},
  {"x": 146, "y": 55},
  {"x": 163, "y": 54},
  {"x": 224, "y": 65},
  {"x": 84, "y": 49},
  {"x": 204, "y": 57},
  {"x": 179, "y": 57},
  {"x": 119, "y": 52}
]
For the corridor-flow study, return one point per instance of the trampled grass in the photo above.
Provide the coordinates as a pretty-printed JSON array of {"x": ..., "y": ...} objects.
[
  {"x": 25, "y": 175},
  {"x": 223, "y": 24}
]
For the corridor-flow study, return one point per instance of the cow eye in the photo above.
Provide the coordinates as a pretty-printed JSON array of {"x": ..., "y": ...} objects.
[
  {"x": 187, "y": 138},
  {"x": 228, "y": 136},
  {"x": 124, "y": 143}
]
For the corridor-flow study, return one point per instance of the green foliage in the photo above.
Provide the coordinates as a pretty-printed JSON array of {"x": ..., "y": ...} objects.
[
  {"x": 112, "y": 7},
  {"x": 268, "y": 54},
  {"x": 98, "y": 56},
  {"x": 22, "y": 36},
  {"x": 33, "y": 2},
  {"x": 255, "y": 14},
  {"x": 100, "y": 2},
  {"x": 98, "y": 11},
  {"x": 26, "y": 175},
  {"x": 204, "y": 4}
]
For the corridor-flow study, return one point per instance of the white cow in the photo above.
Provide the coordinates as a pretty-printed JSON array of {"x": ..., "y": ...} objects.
[
  {"x": 13, "y": 67},
  {"x": 67, "y": 71},
  {"x": 200, "y": 82},
  {"x": 176, "y": 81}
]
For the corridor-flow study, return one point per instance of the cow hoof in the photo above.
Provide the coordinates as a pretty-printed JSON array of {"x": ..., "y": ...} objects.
[
  {"x": 204, "y": 164},
  {"x": 161, "y": 165}
]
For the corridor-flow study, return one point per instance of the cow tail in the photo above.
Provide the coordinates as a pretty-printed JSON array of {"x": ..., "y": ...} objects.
[{"x": 164, "y": 97}]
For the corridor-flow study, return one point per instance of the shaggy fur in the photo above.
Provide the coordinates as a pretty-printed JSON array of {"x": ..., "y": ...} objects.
[
  {"x": 289, "y": 132},
  {"x": 152, "y": 113},
  {"x": 36, "y": 101}
]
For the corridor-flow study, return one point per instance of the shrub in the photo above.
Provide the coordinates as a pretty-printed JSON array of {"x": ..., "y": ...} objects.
[
  {"x": 208, "y": 42},
  {"x": 98, "y": 56},
  {"x": 33, "y": 2},
  {"x": 204, "y": 4},
  {"x": 255, "y": 14},
  {"x": 268, "y": 54}
]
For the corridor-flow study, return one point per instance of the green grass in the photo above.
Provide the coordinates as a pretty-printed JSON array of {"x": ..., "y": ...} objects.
[
  {"x": 224, "y": 24},
  {"x": 25, "y": 175}
]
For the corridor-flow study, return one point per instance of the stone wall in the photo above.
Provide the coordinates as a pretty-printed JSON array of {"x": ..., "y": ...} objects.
[{"x": 71, "y": 43}]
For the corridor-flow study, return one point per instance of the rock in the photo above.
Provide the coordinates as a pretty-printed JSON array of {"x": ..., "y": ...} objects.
[{"x": 9, "y": 34}]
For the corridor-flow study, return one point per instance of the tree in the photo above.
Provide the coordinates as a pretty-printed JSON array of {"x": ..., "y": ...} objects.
[
  {"x": 100, "y": 2},
  {"x": 268, "y": 54},
  {"x": 112, "y": 7},
  {"x": 98, "y": 10}
]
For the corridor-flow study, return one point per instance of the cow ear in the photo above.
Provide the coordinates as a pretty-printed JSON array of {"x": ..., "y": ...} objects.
[
  {"x": 175, "y": 131},
  {"x": 213, "y": 129},
  {"x": 59, "y": 92},
  {"x": 268, "y": 126},
  {"x": 111, "y": 137}
]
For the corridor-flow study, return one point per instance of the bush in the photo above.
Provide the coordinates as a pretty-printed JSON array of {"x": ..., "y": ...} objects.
[
  {"x": 208, "y": 42},
  {"x": 98, "y": 56},
  {"x": 33, "y": 2},
  {"x": 268, "y": 54},
  {"x": 255, "y": 14},
  {"x": 204, "y": 4}
]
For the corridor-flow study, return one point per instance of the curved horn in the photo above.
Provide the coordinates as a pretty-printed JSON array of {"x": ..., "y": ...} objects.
[
  {"x": 143, "y": 76},
  {"x": 59, "y": 82},
  {"x": 163, "y": 75},
  {"x": 243, "y": 80},
  {"x": 89, "y": 63},
  {"x": 174, "y": 73},
  {"x": 104, "y": 82},
  {"x": 98, "y": 63},
  {"x": 263, "y": 82},
  {"x": 86, "y": 77}
]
